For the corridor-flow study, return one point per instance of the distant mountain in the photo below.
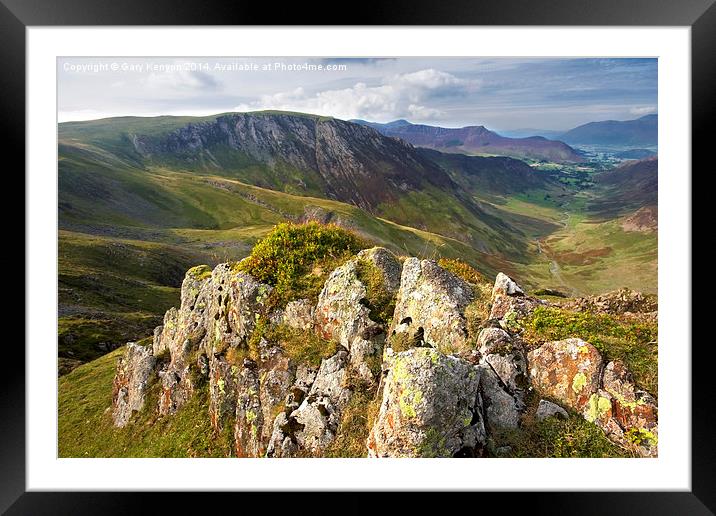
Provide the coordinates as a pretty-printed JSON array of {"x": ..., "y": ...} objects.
[
  {"x": 630, "y": 186},
  {"x": 525, "y": 133},
  {"x": 635, "y": 154},
  {"x": 642, "y": 131},
  {"x": 477, "y": 140}
]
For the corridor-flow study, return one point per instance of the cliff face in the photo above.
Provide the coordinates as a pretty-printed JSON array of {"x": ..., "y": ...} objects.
[
  {"x": 433, "y": 380},
  {"x": 344, "y": 161}
]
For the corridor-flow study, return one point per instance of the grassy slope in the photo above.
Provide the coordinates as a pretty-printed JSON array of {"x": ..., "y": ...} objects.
[{"x": 85, "y": 423}]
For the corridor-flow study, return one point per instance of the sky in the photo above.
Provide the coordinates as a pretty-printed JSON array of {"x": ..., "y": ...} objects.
[{"x": 499, "y": 93}]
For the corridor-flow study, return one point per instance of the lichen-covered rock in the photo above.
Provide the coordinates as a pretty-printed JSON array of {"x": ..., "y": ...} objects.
[
  {"x": 507, "y": 309},
  {"x": 547, "y": 409},
  {"x": 567, "y": 370},
  {"x": 341, "y": 313},
  {"x": 305, "y": 376},
  {"x": 633, "y": 408},
  {"x": 501, "y": 409},
  {"x": 431, "y": 301},
  {"x": 165, "y": 334},
  {"x": 249, "y": 422},
  {"x": 277, "y": 375},
  {"x": 177, "y": 387},
  {"x": 266, "y": 388},
  {"x": 299, "y": 314},
  {"x": 130, "y": 383},
  {"x": 506, "y": 357},
  {"x": 218, "y": 310},
  {"x": 283, "y": 442},
  {"x": 223, "y": 390},
  {"x": 627, "y": 415},
  {"x": 506, "y": 286},
  {"x": 511, "y": 369},
  {"x": 235, "y": 304},
  {"x": 430, "y": 407},
  {"x": 312, "y": 426},
  {"x": 320, "y": 412},
  {"x": 366, "y": 356},
  {"x": 182, "y": 334}
]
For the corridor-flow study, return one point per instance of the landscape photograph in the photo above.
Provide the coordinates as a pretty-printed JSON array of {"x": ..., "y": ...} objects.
[{"x": 360, "y": 257}]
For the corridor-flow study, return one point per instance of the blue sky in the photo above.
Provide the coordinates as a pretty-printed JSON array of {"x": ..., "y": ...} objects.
[{"x": 500, "y": 93}]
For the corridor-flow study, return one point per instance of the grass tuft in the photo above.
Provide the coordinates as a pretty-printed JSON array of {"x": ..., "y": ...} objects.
[
  {"x": 302, "y": 346},
  {"x": 380, "y": 301}
]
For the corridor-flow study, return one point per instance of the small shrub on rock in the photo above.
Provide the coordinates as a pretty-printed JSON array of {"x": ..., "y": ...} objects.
[{"x": 296, "y": 258}]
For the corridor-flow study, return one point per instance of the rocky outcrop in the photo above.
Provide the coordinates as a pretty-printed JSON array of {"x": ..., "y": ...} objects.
[
  {"x": 183, "y": 331},
  {"x": 502, "y": 410},
  {"x": 233, "y": 308},
  {"x": 223, "y": 390},
  {"x": 130, "y": 382},
  {"x": 430, "y": 407},
  {"x": 503, "y": 379},
  {"x": 445, "y": 394},
  {"x": 341, "y": 312},
  {"x": 431, "y": 303},
  {"x": 249, "y": 422},
  {"x": 506, "y": 286},
  {"x": 622, "y": 301},
  {"x": 273, "y": 385}
]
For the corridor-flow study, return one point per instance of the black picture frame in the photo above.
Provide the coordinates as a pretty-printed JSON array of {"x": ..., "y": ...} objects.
[{"x": 17, "y": 15}]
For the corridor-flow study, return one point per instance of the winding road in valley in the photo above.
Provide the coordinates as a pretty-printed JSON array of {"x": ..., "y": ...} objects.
[{"x": 554, "y": 267}]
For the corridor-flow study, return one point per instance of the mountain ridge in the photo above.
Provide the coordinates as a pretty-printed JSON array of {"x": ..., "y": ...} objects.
[
  {"x": 639, "y": 131},
  {"x": 477, "y": 139}
]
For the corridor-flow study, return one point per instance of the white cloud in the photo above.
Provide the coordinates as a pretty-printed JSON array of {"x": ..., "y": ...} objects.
[
  {"x": 642, "y": 110},
  {"x": 177, "y": 83},
  {"x": 402, "y": 95}
]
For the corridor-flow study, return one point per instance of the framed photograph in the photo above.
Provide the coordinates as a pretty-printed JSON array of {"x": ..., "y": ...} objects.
[{"x": 341, "y": 258}]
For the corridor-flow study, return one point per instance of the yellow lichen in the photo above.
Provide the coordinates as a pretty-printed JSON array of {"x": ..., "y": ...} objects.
[
  {"x": 597, "y": 408},
  {"x": 578, "y": 382}
]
